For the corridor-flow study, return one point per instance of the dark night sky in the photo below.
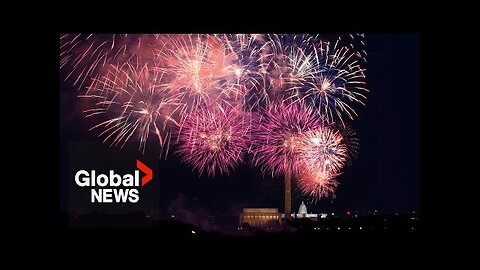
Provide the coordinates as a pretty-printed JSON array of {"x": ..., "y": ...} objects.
[{"x": 386, "y": 175}]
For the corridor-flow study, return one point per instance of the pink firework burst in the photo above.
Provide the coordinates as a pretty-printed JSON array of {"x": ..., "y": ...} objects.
[
  {"x": 214, "y": 139},
  {"x": 318, "y": 184},
  {"x": 277, "y": 136},
  {"x": 323, "y": 149},
  {"x": 323, "y": 155}
]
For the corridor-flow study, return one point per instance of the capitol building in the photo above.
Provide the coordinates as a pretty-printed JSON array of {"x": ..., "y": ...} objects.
[{"x": 303, "y": 213}]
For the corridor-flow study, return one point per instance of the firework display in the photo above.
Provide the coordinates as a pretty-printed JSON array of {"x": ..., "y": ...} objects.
[{"x": 283, "y": 99}]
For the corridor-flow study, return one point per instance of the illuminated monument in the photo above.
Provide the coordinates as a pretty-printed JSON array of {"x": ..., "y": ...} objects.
[
  {"x": 262, "y": 217},
  {"x": 288, "y": 195},
  {"x": 259, "y": 217}
]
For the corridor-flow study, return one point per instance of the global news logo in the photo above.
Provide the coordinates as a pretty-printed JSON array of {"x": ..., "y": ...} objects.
[{"x": 112, "y": 187}]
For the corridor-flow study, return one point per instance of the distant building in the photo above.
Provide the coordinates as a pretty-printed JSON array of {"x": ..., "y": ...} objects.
[
  {"x": 259, "y": 217},
  {"x": 303, "y": 213}
]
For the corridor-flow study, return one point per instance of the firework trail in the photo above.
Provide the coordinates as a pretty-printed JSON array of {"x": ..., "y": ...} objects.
[
  {"x": 83, "y": 56},
  {"x": 351, "y": 141},
  {"x": 356, "y": 42},
  {"x": 135, "y": 102},
  {"x": 277, "y": 136},
  {"x": 214, "y": 139}
]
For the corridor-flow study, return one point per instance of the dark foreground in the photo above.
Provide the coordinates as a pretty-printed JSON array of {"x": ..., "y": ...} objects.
[{"x": 403, "y": 225}]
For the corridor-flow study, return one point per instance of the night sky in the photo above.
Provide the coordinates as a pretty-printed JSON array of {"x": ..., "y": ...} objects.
[{"x": 385, "y": 176}]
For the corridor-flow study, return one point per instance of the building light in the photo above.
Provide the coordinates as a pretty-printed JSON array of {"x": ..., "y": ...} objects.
[
  {"x": 339, "y": 228},
  {"x": 360, "y": 227},
  {"x": 193, "y": 232}
]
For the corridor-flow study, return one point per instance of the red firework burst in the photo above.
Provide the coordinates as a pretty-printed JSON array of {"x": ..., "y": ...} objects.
[{"x": 318, "y": 184}]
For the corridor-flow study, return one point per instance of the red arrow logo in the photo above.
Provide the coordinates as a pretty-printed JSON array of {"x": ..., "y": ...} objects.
[{"x": 146, "y": 170}]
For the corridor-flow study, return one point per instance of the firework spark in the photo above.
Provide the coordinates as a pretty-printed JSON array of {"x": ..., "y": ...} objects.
[
  {"x": 351, "y": 141},
  {"x": 214, "y": 139}
]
